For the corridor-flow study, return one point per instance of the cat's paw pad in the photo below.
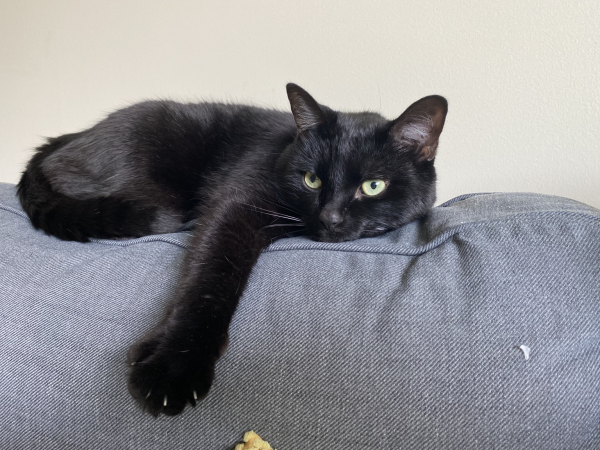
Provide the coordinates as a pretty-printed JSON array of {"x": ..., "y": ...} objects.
[{"x": 165, "y": 381}]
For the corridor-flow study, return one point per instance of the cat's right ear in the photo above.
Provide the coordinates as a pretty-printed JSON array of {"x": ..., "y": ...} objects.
[
  {"x": 307, "y": 112},
  {"x": 420, "y": 126}
]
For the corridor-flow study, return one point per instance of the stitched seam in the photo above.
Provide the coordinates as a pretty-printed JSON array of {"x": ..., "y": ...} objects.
[
  {"x": 432, "y": 244},
  {"x": 346, "y": 247}
]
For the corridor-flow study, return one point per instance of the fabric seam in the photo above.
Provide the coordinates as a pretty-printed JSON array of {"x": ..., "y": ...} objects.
[{"x": 343, "y": 247}]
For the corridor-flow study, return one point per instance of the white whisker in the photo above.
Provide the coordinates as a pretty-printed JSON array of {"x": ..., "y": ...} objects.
[
  {"x": 272, "y": 213},
  {"x": 285, "y": 225},
  {"x": 281, "y": 203}
]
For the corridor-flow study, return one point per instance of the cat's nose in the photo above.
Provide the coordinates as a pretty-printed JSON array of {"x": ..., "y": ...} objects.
[{"x": 330, "y": 219}]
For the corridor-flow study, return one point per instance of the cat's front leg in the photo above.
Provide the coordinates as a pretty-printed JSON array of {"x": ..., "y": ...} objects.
[{"x": 174, "y": 364}]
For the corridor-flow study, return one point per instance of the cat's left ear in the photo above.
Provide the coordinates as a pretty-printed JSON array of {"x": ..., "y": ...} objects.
[{"x": 420, "y": 126}]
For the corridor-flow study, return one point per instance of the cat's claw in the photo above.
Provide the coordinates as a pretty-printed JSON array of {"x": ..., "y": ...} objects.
[{"x": 168, "y": 380}]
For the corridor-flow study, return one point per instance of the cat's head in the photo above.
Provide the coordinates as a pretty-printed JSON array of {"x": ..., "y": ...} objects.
[{"x": 355, "y": 175}]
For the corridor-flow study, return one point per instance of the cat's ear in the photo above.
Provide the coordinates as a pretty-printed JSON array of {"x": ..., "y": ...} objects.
[
  {"x": 420, "y": 126},
  {"x": 307, "y": 112}
]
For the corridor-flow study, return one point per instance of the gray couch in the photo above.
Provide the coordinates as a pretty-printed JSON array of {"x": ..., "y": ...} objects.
[{"x": 415, "y": 339}]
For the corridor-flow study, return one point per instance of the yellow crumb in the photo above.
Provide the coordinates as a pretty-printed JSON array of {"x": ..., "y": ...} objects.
[{"x": 253, "y": 442}]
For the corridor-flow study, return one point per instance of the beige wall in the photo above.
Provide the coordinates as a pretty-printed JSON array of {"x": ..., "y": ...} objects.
[{"x": 522, "y": 77}]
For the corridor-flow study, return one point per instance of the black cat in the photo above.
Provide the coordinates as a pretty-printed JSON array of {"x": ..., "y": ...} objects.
[{"x": 243, "y": 177}]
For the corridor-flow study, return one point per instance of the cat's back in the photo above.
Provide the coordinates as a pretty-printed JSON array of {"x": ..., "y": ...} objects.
[
  {"x": 165, "y": 139},
  {"x": 228, "y": 121}
]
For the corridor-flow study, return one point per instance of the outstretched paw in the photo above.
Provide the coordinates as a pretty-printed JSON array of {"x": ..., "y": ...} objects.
[{"x": 163, "y": 380}]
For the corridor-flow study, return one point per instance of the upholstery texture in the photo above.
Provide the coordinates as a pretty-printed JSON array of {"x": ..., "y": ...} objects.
[{"x": 409, "y": 340}]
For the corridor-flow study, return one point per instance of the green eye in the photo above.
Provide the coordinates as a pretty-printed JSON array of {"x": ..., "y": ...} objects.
[
  {"x": 372, "y": 187},
  {"x": 312, "y": 181}
]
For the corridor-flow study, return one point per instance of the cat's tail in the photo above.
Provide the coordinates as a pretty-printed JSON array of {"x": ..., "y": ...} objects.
[{"x": 77, "y": 219}]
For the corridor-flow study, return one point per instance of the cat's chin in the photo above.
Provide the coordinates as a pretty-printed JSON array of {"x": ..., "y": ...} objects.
[
  {"x": 332, "y": 239},
  {"x": 337, "y": 237}
]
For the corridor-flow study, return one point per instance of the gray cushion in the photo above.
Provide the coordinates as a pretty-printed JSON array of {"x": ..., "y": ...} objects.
[{"x": 409, "y": 340}]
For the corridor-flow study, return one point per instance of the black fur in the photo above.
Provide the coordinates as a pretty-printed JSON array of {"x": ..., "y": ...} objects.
[{"x": 237, "y": 173}]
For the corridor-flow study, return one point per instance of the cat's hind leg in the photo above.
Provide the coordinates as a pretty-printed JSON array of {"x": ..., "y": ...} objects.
[{"x": 79, "y": 219}]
